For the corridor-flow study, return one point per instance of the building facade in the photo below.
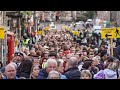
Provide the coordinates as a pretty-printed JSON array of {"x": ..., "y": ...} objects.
[
  {"x": 64, "y": 15},
  {"x": 110, "y": 15},
  {"x": 105, "y": 15}
]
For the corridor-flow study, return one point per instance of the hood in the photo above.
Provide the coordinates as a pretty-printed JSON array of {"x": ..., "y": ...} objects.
[{"x": 110, "y": 74}]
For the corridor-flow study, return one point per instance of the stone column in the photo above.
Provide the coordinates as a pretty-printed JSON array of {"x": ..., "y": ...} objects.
[{"x": 74, "y": 14}]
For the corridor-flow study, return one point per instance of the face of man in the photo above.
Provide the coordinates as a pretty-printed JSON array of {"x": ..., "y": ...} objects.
[
  {"x": 51, "y": 66},
  {"x": 18, "y": 59},
  {"x": 10, "y": 72}
]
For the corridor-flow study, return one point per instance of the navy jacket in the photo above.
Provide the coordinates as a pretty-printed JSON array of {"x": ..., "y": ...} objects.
[
  {"x": 42, "y": 74},
  {"x": 72, "y": 73}
]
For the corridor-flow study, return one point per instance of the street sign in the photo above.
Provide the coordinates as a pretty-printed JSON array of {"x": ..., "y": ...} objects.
[
  {"x": 40, "y": 32},
  {"x": 116, "y": 32},
  {"x": 47, "y": 27},
  {"x": 75, "y": 32},
  {"x": 2, "y": 34},
  {"x": 107, "y": 32},
  {"x": 110, "y": 32}
]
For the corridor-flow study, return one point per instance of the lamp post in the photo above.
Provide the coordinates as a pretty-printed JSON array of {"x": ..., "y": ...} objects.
[{"x": 111, "y": 39}]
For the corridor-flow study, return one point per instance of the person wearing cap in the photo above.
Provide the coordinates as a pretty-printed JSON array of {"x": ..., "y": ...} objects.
[{"x": 18, "y": 58}]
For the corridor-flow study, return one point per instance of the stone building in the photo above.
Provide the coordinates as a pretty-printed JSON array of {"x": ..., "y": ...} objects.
[
  {"x": 109, "y": 15},
  {"x": 105, "y": 15},
  {"x": 65, "y": 15}
]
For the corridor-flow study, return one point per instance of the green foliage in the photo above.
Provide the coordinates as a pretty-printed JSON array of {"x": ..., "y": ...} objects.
[
  {"x": 81, "y": 18},
  {"x": 90, "y": 14},
  {"x": 29, "y": 13}
]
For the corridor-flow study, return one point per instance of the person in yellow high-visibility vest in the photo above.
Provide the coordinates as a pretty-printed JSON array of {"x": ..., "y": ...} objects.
[{"x": 26, "y": 41}]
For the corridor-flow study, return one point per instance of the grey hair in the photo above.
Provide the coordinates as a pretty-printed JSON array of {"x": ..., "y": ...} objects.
[
  {"x": 60, "y": 60},
  {"x": 13, "y": 63},
  {"x": 53, "y": 72},
  {"x": 73, "y": 61},
  {"x": 10, "y": 64},
  {"x": 51, "y": 61}
]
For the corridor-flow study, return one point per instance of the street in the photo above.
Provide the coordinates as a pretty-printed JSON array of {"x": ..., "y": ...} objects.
[{"x": 69, "y": 47}]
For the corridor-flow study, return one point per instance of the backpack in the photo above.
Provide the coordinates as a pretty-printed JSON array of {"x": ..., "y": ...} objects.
[{"x": 100, "y": 75}]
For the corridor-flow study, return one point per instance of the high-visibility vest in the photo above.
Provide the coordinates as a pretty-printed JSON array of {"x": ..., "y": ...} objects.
[
  {"x": 25, "y": 42},
  {"x": 43, "y": 65},
  {"x": 16, "y": 42}
]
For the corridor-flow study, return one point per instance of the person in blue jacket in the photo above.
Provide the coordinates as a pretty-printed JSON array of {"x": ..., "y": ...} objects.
[{"x": 10, "y": 72}]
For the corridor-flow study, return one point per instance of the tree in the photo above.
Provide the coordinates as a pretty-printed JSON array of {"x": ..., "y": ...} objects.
[
  {"x": 81, "y": 18},
  {"x": 24, "y": 13},
  {"x": 90, "y": 14}
]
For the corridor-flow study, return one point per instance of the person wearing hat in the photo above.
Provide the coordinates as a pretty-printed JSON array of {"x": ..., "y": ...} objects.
[{"x": 18, "y": 57}]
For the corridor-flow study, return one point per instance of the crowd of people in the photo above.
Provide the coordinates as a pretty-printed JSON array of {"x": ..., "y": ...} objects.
[{"x": 61, "y": 55}]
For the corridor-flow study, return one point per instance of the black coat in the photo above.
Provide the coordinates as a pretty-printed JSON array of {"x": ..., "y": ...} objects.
[
  {"x": 42, "y": 74},
  {"x": 72, "y": 73}
]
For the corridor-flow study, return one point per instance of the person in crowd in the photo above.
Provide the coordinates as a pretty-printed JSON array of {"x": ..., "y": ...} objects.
[
  {"x": 10, "y": 72},
  {"x": 54, "y": 75},
  {"x": 71, "y": 69},
  {"x": 52, "y": 55},
  {"x": 18, "y": 58},
  {"x": 108, "y": 73},
  {"x": 43, "y": 62},
  {"x": 64, "y": 52},
  {"x": 51, "y": 64},
  {"x": 34, "y": 72},
  {"x": 25, "y": 69},
  {"x": 60, "y": 68},
  {"x": 1, "y": 75},
  {"x": 1, "y": 64},
  {"x": 36, "y": 61},
  {"x": 86, "y": 74},
  {"x": 32, "y": 53},
  {"x": 96, "y": 63}
]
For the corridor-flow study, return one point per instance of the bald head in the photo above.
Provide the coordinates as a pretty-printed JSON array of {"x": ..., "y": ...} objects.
[
  {"x": 10, "y": 71},
  {"x": 9, "y": 66}
]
